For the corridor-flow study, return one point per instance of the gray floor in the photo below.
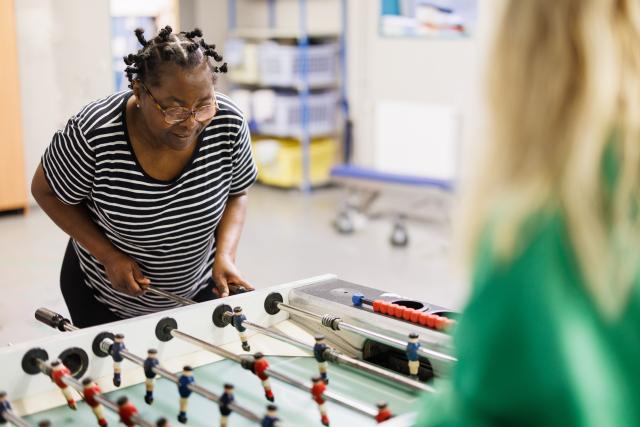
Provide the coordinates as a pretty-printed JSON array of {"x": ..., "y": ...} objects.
[{"x": 288, "y": 236}]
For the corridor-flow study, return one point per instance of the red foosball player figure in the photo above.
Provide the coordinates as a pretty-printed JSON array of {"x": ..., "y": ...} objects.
[
  {"x": 236, "y": 322},
  {"x": 318, "y": 353},
  {"x": 44, "y": 423},
  {"x": 271, "y": 418},
  {"x": 127, "y": 411},
  {"x": 116, "y": 348},
  {"x": 90, "y": 391},
  {"x": 162, "y": 422},
  {"x": 259, "y": 366},
  {"x": 226, "y": 399},
  {"x": 58, "y": 372},
  {"x": 150, "y": 376},
  {"x": 383, "y": 412},
  {"x": 317, "y": 391}
]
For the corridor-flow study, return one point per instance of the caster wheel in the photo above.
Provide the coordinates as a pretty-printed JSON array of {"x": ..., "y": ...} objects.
[
  {"x": 399, "y": 236},
  {"x": 343, "y": 224}
]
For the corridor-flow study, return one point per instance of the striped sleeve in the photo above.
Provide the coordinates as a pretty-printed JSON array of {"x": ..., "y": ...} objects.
[
  {"x": 244, "y": 167},
  {"x": 69, "y": 164}
]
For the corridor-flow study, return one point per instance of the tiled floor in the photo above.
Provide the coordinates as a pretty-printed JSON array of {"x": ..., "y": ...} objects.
[{"x": 287, "y": 236}]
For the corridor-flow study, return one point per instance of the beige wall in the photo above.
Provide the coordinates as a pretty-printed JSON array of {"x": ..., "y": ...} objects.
[
  {"x": 65, "y": 62},
  {"x": 446, "y": 72}
]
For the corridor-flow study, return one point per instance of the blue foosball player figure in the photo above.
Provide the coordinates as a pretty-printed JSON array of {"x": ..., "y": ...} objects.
[
  {"x": 184, "y": 381},
  {"x": 236, "y": 321},
  {"x": 271, "y": 418},
  {"x": 4, "y": 406},
  {"x": 225, "y": 400},
  {"x": 149, "y": 363},
  {"x": 116, "y": 348},
  {"x": 318, "y": 353},
  {"x": 412, "y": 355}
]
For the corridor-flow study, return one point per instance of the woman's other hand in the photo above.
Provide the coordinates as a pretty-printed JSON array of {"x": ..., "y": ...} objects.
[
  {"x": 124, "y": 274},
  {"x": 225, "y": 273}
]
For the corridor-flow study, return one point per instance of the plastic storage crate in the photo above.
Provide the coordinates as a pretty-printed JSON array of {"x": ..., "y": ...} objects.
[
  {"x": 287, "y": 116},
  {"x": 280, "y": 65},
  {"x": 245, "y": 69},
  {"x": 279, "y": 161},
  {"x": 242, "y": 57}
]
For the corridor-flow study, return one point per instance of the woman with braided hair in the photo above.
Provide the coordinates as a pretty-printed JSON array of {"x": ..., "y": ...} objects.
[{"x": 151, "y": 185}]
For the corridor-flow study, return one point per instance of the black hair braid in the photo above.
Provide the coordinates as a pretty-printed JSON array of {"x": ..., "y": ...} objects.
[
  {"x": 139, "y": 32},
  {"x": 193, "y": 34},
  {"x": 186, "y": 49},
  {"x": 206, "y": 46},
  {"x": 192, "y": 47},
  {"x": 164, "y": 34}
]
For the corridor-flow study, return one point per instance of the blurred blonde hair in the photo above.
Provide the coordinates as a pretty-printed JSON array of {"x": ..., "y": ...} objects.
[{"x": 564, "y": 78}]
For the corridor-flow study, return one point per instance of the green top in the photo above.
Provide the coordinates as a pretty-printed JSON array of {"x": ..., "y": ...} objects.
[{"x": 534, "y": 349}]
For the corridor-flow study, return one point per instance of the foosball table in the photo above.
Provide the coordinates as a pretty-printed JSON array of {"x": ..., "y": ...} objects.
[{"x": 319, "y": 351}]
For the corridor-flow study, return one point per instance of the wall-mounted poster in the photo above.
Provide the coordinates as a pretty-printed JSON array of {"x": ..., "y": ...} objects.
[{"x": 428, "y": 18}]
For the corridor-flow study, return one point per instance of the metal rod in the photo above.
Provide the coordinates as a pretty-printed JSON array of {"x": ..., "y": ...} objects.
[
  {"x": 169, "y": 295},
  {"x": 340, "y": 358},
  {"x": 14, "y": 419},
  {"x": 392, "y": 377},
  {"x": 329, "y": 395},
  {"x": 336, "y": 323},
  {"x": 70, "y": 328},
  {"x": 340, "y": 400},
  {"x": 207, "y": 346},
  {"x": 77, "y": 385},
  {"x": 207, "y": 394}
]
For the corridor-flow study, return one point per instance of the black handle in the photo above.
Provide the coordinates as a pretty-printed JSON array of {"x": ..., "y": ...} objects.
[
  {"x": 51, "y": 318},
  {"x": 236, "y": 289}
]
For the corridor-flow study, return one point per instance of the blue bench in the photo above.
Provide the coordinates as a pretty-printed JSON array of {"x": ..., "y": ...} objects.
[
  {"x": 367, "y": 174},
  {"x": 368, "y": 183}
]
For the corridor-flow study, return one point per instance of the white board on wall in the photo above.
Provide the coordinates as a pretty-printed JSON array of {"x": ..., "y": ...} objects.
[{"x": 416, "y": 139}]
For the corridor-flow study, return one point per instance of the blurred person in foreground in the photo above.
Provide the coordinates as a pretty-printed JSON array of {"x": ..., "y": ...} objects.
[{"x": 551, "y": 334}]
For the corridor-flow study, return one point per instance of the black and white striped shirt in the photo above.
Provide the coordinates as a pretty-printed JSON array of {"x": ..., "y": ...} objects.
[{"x": 166, "y": 226}]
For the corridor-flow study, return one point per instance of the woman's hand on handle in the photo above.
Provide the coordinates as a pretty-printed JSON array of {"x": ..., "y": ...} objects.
[
  {"x": 124, "y": 274},
  {"x": 225, "y": 273}
]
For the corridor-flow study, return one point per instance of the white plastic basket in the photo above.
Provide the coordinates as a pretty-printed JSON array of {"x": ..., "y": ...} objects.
[
  {"x": 287, "y": 115},
  {"x": 280, "y": 65},
  {"x": 243, "y": 61}
]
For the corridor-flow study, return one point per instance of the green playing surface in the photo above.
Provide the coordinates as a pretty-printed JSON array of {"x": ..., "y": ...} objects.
[{"x": 295, "y": 407}]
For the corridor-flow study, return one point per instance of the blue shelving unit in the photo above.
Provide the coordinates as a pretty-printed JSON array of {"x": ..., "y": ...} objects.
[{"x": 304, "y": 88}]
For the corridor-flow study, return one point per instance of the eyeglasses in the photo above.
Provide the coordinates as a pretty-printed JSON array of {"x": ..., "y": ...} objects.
[{"x": 173, "y": 115}]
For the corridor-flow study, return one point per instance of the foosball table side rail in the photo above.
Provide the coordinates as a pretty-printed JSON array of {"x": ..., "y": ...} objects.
[{"x": 34, "y": 393}]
